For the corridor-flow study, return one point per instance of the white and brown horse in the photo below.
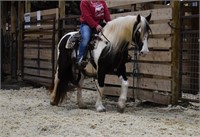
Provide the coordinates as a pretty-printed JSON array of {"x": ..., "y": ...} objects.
[{"x": 109, "y": 55}]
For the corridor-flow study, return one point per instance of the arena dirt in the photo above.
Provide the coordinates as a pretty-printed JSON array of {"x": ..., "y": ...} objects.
[{"x": 27, "y": 113}]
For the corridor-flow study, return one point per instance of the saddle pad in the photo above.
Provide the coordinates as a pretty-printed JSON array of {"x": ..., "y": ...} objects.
[{"x": 73, "y": 36}]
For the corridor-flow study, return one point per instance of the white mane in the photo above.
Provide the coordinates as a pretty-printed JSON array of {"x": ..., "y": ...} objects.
[{"x": 120, "y": 30}]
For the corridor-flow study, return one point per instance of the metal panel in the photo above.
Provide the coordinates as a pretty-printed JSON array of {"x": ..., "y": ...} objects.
[{"x": 189, "y": 51}]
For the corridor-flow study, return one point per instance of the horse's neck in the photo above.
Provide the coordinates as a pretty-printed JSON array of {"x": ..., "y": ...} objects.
[{"x": 119, "y": 32}]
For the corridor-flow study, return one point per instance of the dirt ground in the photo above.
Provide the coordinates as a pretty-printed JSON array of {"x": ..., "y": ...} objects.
[{"x": 27, "y": 113}]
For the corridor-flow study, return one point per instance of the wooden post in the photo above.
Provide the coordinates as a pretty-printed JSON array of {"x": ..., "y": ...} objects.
[
  {"x": 27, "y": 10},
  {"x": 175, "y": 54},
  {"x": 13, "y": 17},
  {"x": 62, "y": 8},
  {"x": 14, "y": 40},
  {"x": 3, "y": 16},
  {"x": 27, "y": 6},
  {"x": 61, "y": 15},
  {"x": 20, "y": 25}
]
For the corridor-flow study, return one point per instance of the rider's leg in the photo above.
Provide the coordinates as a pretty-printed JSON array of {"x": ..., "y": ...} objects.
[{"x": 85, "y": 38}]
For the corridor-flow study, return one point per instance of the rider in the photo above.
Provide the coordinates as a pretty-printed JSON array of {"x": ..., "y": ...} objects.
[{"x": 92, "y": 12}]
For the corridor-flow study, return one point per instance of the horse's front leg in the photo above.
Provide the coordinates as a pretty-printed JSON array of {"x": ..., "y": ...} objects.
[
  {"x": 80, "y": 102},
  {"x": 121, "y": 72},
  {"x": 123, "y": 96}
]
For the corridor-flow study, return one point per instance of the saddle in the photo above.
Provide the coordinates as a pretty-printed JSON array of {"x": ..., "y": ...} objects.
[{"x": 73, "y": 44}]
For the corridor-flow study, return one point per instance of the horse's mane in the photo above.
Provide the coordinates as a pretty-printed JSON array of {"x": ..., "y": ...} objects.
[{"x": 120, "y": 30}]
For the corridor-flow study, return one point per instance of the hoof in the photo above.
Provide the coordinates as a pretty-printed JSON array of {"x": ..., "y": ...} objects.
[
  {"x": 101, "y": 109},
  {"x": 82, "y": 106},
  {"x": 120, "y": 110},
  {"x": 53, "y": 104},
  {"x": 121, "y": 105}
]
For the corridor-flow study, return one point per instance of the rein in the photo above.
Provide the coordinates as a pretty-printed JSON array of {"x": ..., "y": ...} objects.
[
  {"x": 134, "y": 34},
  {"x": 135, "y": 63},
  {"x": 105, "y": 37}
]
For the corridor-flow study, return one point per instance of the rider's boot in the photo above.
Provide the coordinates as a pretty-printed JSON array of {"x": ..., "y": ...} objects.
[{"x": 81, "y": 63}]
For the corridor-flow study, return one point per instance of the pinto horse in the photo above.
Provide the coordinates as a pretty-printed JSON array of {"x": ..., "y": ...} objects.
[{"x": 109, "y": 55}]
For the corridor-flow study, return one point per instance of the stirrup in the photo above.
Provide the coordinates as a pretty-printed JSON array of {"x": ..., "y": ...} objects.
[{"x": 82, "y": 64}]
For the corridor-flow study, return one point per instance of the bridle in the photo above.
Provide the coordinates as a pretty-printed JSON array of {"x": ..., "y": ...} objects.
[{"x": 136, "y": 37}]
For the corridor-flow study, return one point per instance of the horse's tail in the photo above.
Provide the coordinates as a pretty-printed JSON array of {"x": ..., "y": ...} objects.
[{"x": 64, "y": 74}]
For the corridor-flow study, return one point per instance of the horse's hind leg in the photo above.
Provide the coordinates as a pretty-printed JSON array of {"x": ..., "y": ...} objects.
[
  {"x": 99, "y": 105},
  {"x": 100, "y": 89},
  {"x": 123, "y": 96},
  {"x": 80, "y": 102},
  {"x": 53, "y": 94}
]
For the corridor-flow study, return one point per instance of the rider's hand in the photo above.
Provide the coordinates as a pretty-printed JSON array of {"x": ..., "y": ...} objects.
[{"x": 99, "y": 28}]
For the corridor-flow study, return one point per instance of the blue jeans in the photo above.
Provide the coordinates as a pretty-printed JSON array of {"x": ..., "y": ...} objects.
[{"x": 86, "y": 33}]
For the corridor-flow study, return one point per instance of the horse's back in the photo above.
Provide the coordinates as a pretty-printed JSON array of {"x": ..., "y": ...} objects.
[{"x": 66, "y": 39}]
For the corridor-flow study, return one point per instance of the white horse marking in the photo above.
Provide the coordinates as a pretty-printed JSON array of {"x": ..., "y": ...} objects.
[
  {"x": 123, "y": 96},
  {"x": 99, "y": 105},
  {"x": 145, "y": 49}
]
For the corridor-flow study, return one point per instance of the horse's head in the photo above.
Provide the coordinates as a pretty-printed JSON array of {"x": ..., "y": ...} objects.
[{"x": 141, "y": 30}]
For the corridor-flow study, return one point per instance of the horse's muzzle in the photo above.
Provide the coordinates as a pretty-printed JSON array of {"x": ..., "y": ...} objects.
[{"x": 143, "y": 53}]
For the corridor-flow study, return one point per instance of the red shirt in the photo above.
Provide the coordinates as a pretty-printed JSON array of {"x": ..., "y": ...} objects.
[{"x": 92, "y": 11}]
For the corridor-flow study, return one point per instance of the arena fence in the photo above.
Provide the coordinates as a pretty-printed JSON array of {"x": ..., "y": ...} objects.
[{"x": 189, "y": 50}]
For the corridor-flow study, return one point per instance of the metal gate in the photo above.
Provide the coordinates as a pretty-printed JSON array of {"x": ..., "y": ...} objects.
[
  {"x": 8, "y": 56},
  {"x": 189, "y": 50}
]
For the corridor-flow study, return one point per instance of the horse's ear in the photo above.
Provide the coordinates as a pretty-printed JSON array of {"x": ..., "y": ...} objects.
[
  {"x": 138, "y": 18},
  {"x": 148, "y": 18}
]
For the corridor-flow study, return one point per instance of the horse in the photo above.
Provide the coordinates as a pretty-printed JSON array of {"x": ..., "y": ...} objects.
[{"x": 108, "y": 55}]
